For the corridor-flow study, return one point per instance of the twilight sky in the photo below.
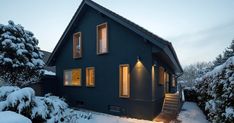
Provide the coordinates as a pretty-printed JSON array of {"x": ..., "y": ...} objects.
[{"x": 199, "y": 30}]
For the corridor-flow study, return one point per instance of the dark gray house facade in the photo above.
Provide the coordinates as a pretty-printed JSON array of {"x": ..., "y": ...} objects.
[{"x": 108, "y": 64}]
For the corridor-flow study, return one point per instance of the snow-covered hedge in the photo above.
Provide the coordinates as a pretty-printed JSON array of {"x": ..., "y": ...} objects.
[
  {"x": 216, "y": 93},
  {"x": 23, "y": 101}
]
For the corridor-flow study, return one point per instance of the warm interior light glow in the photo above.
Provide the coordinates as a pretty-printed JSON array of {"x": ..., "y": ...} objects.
[
  {"x": 77, "y": 45},
  {"x": 76, "y": 76},
  {"x": 102, "y": 38},
  {"x": 161, "y": 75},
  {"x": 72, "y": 77},
  {"x": 90, "y": 76},
  {"x": 124, "y": 81}
]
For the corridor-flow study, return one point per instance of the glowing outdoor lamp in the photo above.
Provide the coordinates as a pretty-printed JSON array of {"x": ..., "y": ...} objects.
[{"x": 138, "y": 58}]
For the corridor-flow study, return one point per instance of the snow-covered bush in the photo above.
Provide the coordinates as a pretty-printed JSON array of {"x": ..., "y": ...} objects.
[
  {"x": 6, "y": 90},
  {"x": 20, "y": 59},
  {"x": 38, "y": 109},
  {"x": 216, "y": 92}
]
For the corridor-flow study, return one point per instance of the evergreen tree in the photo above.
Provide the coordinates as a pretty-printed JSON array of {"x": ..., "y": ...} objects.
[
  {"x": 229, "y": 52},
  {"x": 218, "y": 60},
  {"x": 20, "y": 59}
]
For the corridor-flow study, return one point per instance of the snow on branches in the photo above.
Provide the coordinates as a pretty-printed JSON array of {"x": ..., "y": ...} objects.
[
  {"x": 216, "y": 92},
  {"x": 20, "y": 57}
]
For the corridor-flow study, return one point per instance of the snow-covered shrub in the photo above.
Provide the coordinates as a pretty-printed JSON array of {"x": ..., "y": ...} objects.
[
  {"x": 216, "y": 92},
  {"x": 39, "y": 109},
  {"x": 56, "y": 107},
  {"x": 20, "y": 59},
  {"x": 6, "y": 90}
]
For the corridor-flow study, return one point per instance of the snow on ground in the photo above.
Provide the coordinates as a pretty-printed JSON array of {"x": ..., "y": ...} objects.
[
  {"x": 12, "y": 117},
  {"x": 191, "y": 113},
  {"x": 106, "y": 118}
]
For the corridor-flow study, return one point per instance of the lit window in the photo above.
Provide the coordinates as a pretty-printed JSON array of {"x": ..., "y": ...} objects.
[
  {"x": 90, "y": 76},
  {"x": 77, "y": 45},
  {"x": 102, "y": 42},
  {"x": 124, "y": 81},
  {"x": 72, "y": 77},
  {"x": 174, "y": 81},
  {"x": 166, "y": 77},
  {"x": 161, "y": 75}
]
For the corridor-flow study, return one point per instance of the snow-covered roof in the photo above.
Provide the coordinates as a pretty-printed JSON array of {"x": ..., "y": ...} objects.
[{"x": 51, "y": 73}]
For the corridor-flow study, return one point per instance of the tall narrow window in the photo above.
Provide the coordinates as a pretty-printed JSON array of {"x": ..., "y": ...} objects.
[
  {"x": 102, "y": 41},
  {"x": 161, "y": 75},
  {"x": 124, "y": 81},
  {"x": 72, "y": 77},
  {"x": 77, "y": 45},
  {"x": 173, "y": 81},
  {"x": 90, "y": 77}
]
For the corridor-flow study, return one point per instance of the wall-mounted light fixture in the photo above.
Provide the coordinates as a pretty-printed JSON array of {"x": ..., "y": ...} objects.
[{"x": 138, "y": 58}]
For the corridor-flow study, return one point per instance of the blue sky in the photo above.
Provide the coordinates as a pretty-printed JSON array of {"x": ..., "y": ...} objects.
[{"x": 199, "y": 30}]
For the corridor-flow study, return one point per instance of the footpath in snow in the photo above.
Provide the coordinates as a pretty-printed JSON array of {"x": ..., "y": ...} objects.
[{"x": 191, "y": 113}]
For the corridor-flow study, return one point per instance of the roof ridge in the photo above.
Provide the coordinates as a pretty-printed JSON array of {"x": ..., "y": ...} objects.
[{"x": 142, "y": 29}]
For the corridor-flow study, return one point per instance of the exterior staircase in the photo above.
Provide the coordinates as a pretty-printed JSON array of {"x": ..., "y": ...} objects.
[
  {"x": 171, "y": 104},
  {"x": 170, "y": 109}
]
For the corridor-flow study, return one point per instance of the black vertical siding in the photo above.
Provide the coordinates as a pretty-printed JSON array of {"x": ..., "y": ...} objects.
[{"x": 125, "y": 47}]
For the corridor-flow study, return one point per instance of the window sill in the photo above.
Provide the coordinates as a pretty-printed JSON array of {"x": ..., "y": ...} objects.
[
  {"x": 72, "y": 85},
  {"x": 90, "y": 86},
  {"x": 124, "y": 97},
  {"x": 102, "y": 53},
  {"x": 75, "y": 58}
]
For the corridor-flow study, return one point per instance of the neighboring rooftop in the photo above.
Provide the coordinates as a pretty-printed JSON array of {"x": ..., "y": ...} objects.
[{"x": 45, "y": 59}]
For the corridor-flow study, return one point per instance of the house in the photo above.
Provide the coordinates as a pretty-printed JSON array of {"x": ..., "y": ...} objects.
[{"x": 108, "y": 64}]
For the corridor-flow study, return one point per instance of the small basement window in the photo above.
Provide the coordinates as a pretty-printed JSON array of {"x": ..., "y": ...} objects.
[
  {"x": 113, "y": 108},
  {"x": 102, "y": 41},
  {"x": 77, "y": 45},
  {"x": 124, "y": 81},
  {"x": 90, "y": 77},
  {"x": 72, "y": 77}
]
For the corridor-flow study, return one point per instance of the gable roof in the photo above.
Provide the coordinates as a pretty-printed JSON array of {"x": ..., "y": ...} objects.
[{"x": 152, "y": 38}]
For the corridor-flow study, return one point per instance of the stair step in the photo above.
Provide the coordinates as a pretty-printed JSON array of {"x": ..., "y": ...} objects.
[
  {"x": 171, "y": 96},
  {"x": 170, "y": 105},
  {"x": 170, "y": 108},
  {"x": 169, "y": 112},
  {"x": 171, "y": 100}
]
